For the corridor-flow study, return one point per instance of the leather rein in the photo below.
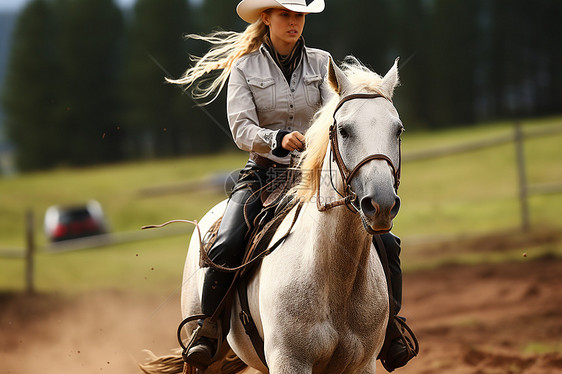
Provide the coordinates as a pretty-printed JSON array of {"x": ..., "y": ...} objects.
[{"x": 350, "y": 198}]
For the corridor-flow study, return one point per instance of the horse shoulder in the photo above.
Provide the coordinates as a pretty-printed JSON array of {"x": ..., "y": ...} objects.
[{"x": 293, "y": 316}]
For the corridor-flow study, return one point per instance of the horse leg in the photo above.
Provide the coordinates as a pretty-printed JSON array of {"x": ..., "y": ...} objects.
[
  {"x": 371, "y": 368},
  {"x": 281, "y": 361},
  {"x": 287, "y": 366}
]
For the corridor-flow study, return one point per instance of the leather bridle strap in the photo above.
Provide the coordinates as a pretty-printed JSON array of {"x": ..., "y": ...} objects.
[{"x": 347, "y": 175}]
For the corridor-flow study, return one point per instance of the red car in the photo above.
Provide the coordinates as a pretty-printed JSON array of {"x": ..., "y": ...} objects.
[{"x": 71, "y": 222}]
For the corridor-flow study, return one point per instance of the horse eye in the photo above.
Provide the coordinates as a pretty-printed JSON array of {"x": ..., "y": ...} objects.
[
  {"x": 400, "y": 131},
  {"x": 343, "y": 132}
]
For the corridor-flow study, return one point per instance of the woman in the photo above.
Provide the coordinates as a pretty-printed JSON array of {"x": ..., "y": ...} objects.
[{"x": 275, "y": 85}]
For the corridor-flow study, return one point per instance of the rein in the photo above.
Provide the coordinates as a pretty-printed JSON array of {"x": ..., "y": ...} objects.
[{"x": 350, "y": 198}]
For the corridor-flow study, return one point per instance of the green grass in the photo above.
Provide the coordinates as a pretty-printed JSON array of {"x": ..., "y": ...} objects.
[
  {"x": 469, "y": 193},
  {"x": 542, "y": 348},
  {"x": 118, "y": 188},
  {"x": 477, "y": 191}
]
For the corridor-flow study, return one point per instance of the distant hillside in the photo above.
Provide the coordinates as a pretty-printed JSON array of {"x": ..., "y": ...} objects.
[{"x": 7, "y": 22}]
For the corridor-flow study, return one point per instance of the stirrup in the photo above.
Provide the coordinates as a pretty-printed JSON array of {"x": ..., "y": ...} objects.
[
  {"x": 408, "y": 338},
  {"x": 208, "y": 329}
]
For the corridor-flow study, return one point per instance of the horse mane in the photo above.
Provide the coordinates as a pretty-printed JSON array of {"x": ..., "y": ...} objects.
[{"x": 362, "y": 80}]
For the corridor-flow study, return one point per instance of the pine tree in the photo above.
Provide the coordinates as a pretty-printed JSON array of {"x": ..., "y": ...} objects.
[
  {"x": 60, "y": 92},
  {"x": 88, "y": 44},
  {"x": 28, "y": 94},
  {"x": 411, "y": 20},
  {"x": 157, "y": 113},
  {"x": 454, "y": 60}
]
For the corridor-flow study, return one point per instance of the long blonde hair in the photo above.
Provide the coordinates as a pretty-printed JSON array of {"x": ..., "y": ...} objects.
[{"x": 227, "y": 47}]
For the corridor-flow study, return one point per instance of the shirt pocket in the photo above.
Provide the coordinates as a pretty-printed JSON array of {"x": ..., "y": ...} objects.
[
  {"x": 263, "y": 90},
  {"x": 312, "y": 89}
]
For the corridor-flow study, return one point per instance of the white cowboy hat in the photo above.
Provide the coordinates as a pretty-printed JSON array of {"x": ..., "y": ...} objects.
[{"x": 250, "y": 10}]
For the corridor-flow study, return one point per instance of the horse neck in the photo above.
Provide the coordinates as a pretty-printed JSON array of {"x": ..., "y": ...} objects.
[{"x": 342, "y": 246}]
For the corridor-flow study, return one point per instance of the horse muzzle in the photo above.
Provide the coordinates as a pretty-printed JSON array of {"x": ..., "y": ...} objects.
[{"x": 377, "y": 214}]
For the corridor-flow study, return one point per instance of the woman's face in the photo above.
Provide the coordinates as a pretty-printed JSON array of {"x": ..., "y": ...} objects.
[{"x": 285, "y": 28}]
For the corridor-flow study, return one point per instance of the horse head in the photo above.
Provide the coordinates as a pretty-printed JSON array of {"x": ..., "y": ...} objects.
[{"x": 365, "y": 142}]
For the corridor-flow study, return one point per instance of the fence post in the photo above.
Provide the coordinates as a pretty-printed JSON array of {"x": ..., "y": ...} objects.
[
  {"x": 523, "y": 189},
  {"x": 29, "y": 253}
]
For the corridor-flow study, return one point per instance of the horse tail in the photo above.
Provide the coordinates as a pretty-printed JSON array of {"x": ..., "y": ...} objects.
[
  {"x": 173, "y": 364},
  {"x": 170, "y": 364}
]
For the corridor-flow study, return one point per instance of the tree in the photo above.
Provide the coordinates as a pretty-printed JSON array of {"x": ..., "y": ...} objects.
[
  {"x": 213, "y": 15},
  {"x": 88, "y": 45},
  {"x": 29, "y": 91},
  {"x": 158, "y": 116},
  {"x": 413, "y": 47},
  {"x": 454, "y": 37},
  {"x": 60, "y": 91},
  {"x": 525, "y": 57},
  {"x": 550, "y": 28}
]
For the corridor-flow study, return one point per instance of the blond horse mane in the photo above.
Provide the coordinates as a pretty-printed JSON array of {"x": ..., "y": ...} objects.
[{"x": 363, "y": 80}]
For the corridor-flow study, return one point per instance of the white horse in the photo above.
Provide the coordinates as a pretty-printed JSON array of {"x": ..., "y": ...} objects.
[{"x": 320, "y": 300}]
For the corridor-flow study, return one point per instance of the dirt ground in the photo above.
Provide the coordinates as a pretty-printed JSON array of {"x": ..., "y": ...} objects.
[{"x": 483, "y": 319}]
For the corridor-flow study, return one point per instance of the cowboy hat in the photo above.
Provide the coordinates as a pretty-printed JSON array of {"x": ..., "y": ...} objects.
[{"x": 250, "y": 10}]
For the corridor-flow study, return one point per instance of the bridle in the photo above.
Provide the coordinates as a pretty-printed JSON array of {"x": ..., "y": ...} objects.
[{"x": 350, "y": 198}]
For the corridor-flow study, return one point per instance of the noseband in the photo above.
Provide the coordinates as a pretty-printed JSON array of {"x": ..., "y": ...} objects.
[{"x": 350, "y": 198}]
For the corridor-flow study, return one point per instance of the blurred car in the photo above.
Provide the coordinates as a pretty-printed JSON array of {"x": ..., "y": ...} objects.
[{"x": 71, "y": 222}]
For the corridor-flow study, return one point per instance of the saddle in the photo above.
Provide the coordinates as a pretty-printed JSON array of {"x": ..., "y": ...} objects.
[{"x": 277, "y": 204}]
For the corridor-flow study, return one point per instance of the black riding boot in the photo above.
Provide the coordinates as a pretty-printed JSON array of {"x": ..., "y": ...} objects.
[
  {"x": 215, "y": 287},
  {"x": 397, "y": 354},
  {"x": 228, "y": 250}
]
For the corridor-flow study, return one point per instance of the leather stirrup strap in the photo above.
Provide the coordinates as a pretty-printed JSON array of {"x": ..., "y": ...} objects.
[
  {"x": 248, "y": 321},
  {"x": 245, "y": 315}
]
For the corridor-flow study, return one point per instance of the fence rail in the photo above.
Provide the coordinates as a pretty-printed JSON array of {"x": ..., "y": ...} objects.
[
  {"x": 517, "y": 137},
  {"x": 480, "y": 144},
  {"x": 12, "y": 252}
]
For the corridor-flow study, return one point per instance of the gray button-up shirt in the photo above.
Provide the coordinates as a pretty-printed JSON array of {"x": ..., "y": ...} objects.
[{"x": 261, "y": 102}]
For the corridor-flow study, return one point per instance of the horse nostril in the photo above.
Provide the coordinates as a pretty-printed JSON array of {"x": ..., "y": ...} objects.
[
  {"x": 368, "y": 206},
  {"x": 395, "y": 208}
]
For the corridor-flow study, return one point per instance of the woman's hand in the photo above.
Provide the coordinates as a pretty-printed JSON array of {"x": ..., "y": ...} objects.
[{"x": 292, "y": 141}]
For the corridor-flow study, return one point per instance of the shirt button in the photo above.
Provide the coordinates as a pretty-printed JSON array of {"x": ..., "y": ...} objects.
[
  {"x": 292, "y": 90},
  {"x": 291, "y": 105}
]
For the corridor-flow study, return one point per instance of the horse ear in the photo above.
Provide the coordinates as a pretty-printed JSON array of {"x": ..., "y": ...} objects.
[
  {"x": 337, "y": 79},
  {"x": 390, "y": 80}
]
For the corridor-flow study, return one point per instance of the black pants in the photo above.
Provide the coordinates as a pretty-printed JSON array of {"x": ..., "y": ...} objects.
[{"x": 228, "y": 250}]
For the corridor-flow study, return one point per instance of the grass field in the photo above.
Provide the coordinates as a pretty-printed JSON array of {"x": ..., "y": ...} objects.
[{"x": 465, "y": 194}]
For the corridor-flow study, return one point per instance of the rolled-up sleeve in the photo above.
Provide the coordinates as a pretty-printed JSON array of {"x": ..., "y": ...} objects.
[{"x": 243, "y": 118}]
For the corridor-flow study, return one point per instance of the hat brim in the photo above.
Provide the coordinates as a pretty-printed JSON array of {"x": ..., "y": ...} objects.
[{"x": 250, "y": 10}]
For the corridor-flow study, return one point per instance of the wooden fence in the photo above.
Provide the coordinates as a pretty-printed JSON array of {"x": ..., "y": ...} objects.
[{"x": 517, "y": 137}]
